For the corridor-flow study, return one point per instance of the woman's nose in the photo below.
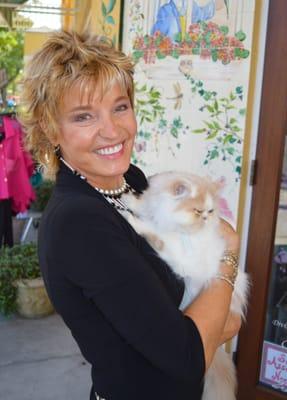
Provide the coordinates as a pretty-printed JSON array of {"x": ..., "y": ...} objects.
[{"x": 109, "y": 128}]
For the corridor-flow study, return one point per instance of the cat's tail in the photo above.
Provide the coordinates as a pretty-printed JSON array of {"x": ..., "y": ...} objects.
[{"x": 220, "y": 379}]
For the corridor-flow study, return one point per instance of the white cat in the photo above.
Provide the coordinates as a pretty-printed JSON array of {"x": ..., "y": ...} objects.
[{"x": 178, "y": 214}]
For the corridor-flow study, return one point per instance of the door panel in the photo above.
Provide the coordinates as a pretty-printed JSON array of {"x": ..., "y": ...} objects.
[{"x": 260, "y": 254}]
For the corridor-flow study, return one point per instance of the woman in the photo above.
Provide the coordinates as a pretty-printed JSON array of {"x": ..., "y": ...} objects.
[{"x": 118, "y": 298}]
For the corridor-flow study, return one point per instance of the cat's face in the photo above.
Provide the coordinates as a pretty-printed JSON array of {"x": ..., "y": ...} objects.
[
  {"x": 184, "y": 201},
  {"x": 195, "y": 202}
]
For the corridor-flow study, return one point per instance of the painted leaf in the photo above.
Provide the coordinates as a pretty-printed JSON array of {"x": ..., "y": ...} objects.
[
  {"x": 111, "y": 6},
  {"x": 196, "y": 51},
  {"x": 212, "y": 135},
  {"x": 240, "y": 35},
  {"x": 104, "y": 10},
  {"x": 174, "y": 132},
  {"x": 224, "y": 29},
  {"x": 110, "y": 20},
  {"x": 202, "y": 130},
  {"x": 160, "y": 55},
  {"x": 209, "y": 124},
  {"x": 216, "y": 125},
  {"x": 137, "y": 54},
  {"x": 214, "y": 154}
]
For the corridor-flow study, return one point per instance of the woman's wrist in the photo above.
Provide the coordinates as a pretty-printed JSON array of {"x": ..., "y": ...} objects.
[{"x": 228, "y": 269}]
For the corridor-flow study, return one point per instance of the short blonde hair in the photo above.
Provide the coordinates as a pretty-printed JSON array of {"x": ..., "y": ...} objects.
[{"x": 66, "y": 59}]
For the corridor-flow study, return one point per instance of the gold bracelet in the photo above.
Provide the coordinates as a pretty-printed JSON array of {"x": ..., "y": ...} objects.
[
  {"x": 231, "y": 259},
  {"x": 226, "y": 279}
]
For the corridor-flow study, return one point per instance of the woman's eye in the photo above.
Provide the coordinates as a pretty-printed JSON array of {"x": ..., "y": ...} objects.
[
  {"x": 197, "y": 211},
  {"x": 122, "y": 107},
  {"x": 83, "y": 117},
  {"x": 210, "y": 211}
]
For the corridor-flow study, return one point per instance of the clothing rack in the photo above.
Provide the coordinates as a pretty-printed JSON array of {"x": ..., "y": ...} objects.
[{"x": 11, "y": 114}]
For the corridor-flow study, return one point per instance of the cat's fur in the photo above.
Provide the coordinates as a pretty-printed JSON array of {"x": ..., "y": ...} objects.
[{"x": 178, "y": 214}]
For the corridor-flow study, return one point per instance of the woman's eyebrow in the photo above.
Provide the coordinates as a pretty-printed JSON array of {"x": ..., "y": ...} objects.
[
  {"x": 121, "y": 98},
  {"x": 81, "y": 108}
]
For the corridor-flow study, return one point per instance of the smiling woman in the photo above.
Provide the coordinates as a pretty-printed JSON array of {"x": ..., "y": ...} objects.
[
  {"x": 118, "y": 298},
  {"x": 96, "y": 134}
]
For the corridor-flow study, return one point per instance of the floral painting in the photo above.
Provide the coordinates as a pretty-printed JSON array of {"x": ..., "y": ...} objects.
[{"x": 192, "y": 72}]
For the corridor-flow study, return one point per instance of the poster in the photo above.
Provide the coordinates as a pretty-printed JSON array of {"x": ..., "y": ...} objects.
[
  {"x": 192, "y": 75},
  {"x": 274, "y": 366}
]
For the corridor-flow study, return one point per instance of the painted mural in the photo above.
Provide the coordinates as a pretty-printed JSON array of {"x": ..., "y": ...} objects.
[
  {"x": 108, "y": 18},
  {"x": 192, "y": 73}
]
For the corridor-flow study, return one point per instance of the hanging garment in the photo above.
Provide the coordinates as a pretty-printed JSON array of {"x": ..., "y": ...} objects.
[
  {"x": 6, "y": 231},
  {"x": 16, "y": 167}
]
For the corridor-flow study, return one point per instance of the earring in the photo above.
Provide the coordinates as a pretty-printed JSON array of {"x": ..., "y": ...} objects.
[{"x": 57, "y": 151}]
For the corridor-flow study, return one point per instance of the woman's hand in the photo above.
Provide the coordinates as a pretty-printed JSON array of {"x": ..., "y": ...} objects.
[
  {"x": 231, "y": 328},
  {"x": 230, "y": 236}
]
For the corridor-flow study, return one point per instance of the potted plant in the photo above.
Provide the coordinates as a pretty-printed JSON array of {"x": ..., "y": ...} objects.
[
  {"x": 204, "y": 39},
  {"x": 21, "y": 286},
  {"x": 43, "y": 193}
]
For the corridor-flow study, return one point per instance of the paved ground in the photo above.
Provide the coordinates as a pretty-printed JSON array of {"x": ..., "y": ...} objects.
[{"x": 39, "y": 360}]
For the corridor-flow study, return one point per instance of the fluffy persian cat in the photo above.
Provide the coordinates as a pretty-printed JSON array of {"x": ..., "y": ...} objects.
[{"x": 178, "y": 214}]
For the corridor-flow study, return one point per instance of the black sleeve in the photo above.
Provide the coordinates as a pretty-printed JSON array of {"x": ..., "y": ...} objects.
[{"x": 105, "y": 263}]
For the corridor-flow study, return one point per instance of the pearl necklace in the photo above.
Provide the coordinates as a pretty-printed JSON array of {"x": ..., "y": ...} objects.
[
  {"x": 113, "y": 192},
  {"x": 113, "y": 195}
]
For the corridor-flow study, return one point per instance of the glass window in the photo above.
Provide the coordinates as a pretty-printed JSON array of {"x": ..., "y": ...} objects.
[{"x": 273, "y": 372}]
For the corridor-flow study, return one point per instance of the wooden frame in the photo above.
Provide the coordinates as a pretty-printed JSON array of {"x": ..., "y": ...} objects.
[{"x": 272, "y": 131}]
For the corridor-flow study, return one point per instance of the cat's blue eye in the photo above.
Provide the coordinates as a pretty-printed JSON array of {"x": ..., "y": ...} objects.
[{"x": 180, "y": 189}]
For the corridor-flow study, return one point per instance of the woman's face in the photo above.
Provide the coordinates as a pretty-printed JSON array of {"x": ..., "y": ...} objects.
[{"x": 97, "y": 136}]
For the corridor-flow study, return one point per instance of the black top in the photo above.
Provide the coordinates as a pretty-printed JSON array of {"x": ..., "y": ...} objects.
[{"x": 119, "y": 299}]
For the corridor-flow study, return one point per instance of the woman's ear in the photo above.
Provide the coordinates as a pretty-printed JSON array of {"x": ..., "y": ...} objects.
[{"x": 44, "y": 125}]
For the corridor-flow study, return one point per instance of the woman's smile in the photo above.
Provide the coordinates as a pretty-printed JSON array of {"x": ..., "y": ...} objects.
[{"x": 111, "y": 151}]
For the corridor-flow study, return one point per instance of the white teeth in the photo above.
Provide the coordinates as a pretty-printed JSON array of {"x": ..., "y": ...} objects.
[{"x": 110, "y": 150}]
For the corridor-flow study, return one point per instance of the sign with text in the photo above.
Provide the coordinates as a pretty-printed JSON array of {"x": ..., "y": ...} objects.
[{"x": 274, "y": 366}]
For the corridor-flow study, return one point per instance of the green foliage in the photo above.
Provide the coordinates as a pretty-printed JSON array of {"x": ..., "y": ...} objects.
[
  {"x": 147, "y": 105},
  {"x": 18, "y": 262},
  {"x": 43, "y": 193},
  {"x": 222, "y": 126},
  {"x": 11, "y": 52},
  {"x": 177, "y": 125}
]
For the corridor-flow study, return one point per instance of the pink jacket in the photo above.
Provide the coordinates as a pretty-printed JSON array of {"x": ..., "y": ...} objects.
[{"x": 16, "y": 167}]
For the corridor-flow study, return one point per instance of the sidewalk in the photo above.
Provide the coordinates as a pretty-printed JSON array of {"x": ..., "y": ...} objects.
[{"x": 39, "y": 360}]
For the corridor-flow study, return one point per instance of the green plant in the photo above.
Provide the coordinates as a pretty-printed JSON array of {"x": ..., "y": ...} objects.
[
  {"x": 43, "y": 193},
  {"x": 17, "y": 262},
  {"x": 11, "y": 52}
]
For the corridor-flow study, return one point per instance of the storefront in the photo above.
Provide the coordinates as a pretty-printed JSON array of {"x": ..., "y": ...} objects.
[{"x": 211, "y": 97}]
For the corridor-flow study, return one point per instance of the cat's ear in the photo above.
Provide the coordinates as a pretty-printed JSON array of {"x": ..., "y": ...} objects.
[{"x": 219, "y": 184}]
